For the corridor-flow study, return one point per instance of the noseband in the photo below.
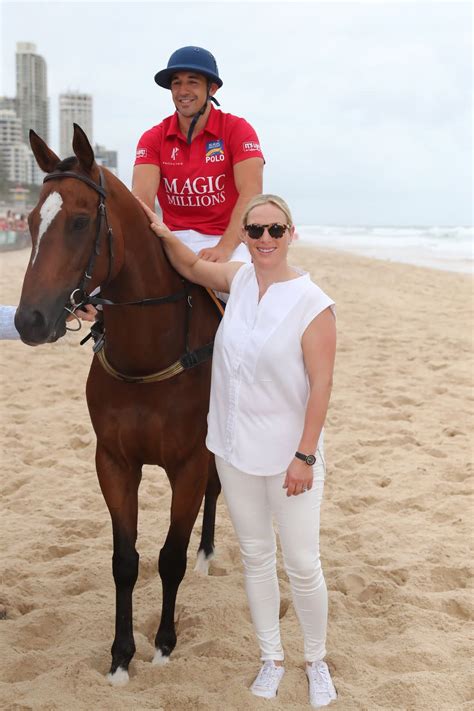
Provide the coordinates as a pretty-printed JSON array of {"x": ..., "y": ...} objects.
[{"x": 79, "y": 297}]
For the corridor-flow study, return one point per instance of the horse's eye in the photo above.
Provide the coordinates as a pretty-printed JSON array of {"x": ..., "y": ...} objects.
[{"x": 80, "y": 223}]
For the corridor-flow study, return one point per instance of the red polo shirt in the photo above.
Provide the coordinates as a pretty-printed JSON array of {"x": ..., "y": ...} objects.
[{"x": 197, "y": 189}]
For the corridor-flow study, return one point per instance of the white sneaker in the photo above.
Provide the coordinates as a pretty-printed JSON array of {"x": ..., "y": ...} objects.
[
  {"x": 321, "y": 688},
  {"x": 268, "y": 680}
]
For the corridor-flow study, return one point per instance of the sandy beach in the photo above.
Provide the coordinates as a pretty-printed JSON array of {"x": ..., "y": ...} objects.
[{"x": 397, "y": 522}]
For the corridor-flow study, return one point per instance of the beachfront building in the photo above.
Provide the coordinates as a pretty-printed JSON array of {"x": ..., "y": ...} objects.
[
  {"x": 74, "y": 107},
  {"x": 10, "y": 141},
  {"x": 31, "y": 91},
  {"x": 8, "y": 103},
  {"x": 106, "y": 158},
  {"x": 17, "y": 163}
]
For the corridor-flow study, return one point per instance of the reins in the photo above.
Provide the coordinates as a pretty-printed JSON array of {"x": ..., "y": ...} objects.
[{"x": 79, "y": 298}]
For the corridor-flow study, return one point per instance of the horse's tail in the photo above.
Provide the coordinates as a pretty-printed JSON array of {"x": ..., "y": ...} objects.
[{"x": 206, "y": 546}]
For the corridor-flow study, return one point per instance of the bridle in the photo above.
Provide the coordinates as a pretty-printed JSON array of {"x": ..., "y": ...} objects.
[{"x": 79, "y": 296}]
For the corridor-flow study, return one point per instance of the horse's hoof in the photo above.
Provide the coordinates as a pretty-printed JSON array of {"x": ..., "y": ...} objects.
[
  {"x": 202, "y": 563},
  {"x": 160, "y": 659},
  {"x": 119, "y": 677}
]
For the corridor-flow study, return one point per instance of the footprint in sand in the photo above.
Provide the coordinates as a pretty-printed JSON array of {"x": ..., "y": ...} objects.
[
  {"x": 193, "y": 622},
  {"x": 217, "y": 570},
  {"x": 284, "y": 605},
  {"x": 453, "y": 432},
  {"x": 376, "y": 593},
  {"x": 355, "y": 504},
  {"x": 436, "y": 453},
  {"x": 456, "y": 609},
  {"x": 443, "y": 579},
  {"x": 80, "y": 442},
  {"x": 55, "y": 552},
  {"x": 459, "y": 476},
  {"x": 437, "y": 366},
  {"x": 46, "y": 463},
  {"x": 398, "y": 575},
  {"x": 350, "y": 584},
  {"x": 404, "y": 400}
]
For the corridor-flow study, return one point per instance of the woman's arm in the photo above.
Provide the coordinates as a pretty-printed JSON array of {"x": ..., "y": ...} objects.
[
  {"x": 215, "y": 275},
  {"x": 319, "y": 351}
]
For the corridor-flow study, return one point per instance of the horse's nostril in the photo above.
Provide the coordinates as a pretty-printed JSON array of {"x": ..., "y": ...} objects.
[{"x": 31, "y": 325}]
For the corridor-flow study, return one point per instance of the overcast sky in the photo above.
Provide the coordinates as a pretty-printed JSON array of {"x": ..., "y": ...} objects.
[{"x": 363, "y": 109}]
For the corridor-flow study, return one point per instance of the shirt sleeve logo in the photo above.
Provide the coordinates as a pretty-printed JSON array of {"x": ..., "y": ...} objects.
[
  {"x": 215, "y": 151},
  {"x": 251, "y": 146},
  {"x": 142, "y": 152}
]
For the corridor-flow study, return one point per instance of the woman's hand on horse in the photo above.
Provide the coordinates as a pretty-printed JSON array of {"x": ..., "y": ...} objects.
[
  {"x": 158, "y": 227},
  {"x": 88, "y": 313}
]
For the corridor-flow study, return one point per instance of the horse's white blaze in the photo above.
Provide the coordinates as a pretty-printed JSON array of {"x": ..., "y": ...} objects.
[
  {"x": 202, "y": 563},
  {"x": 49, "y": 210},
  {"x": 159, "y": 659},
  {"x": 119, "y": 677}
]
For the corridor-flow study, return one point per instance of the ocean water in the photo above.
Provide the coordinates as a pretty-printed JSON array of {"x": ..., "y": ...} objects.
[{"x": 447, "y": 248}]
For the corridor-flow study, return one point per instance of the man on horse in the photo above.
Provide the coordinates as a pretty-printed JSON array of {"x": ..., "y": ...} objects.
[{"x": 202, "y": 164}]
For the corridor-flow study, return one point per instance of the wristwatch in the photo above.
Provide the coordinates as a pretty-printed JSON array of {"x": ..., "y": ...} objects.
[{"x": 309, "y": 459}]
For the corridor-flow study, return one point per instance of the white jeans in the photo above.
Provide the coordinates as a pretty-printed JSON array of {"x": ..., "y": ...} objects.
[
  {"x": 197, "y": 241},
  {"x": 252, "y": 502}
]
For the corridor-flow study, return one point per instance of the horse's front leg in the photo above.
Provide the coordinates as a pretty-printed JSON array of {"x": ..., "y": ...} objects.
[
  {"x": 188, "y": 487},
  {"x": 119, "y": 481}
]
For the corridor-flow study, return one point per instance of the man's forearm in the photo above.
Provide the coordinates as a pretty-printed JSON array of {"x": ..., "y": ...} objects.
[{"x": 231, "y": 237}]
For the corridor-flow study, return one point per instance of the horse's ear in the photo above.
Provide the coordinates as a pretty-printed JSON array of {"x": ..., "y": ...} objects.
[
  {"x": 45, "y": 157},
  {"x": 82, "y": 148}
]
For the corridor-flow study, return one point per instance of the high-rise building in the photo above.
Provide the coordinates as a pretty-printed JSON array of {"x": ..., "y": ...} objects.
[
  {"x": 17, "y": 163},
  {"x": 74, "y": 107},
  {"x": 10, "y": 135},
  {"x": 9, "y": 103},
  {"x": 106, "y": 158},
  {"x": 31, "y": 91}
]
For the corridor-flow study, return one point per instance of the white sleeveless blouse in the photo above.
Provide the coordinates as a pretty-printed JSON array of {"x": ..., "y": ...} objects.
[{"x": 260, "y": 385}]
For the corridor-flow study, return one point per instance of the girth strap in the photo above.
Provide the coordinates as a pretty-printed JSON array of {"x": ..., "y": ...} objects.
[{"x": 187, "y": 361}]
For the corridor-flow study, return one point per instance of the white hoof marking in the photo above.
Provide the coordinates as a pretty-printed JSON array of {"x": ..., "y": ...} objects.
[
  {"x": 118, "y": 678},
  {"x": 159, "y": 659},
  {"x": 202, "y": 563}
]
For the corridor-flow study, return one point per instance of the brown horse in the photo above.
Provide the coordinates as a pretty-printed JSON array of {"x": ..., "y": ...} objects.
[{"x": 148, "y": 386}]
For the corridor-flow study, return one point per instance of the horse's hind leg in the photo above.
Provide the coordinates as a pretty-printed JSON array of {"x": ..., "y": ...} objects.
[
  {"x": 206, "y": 546},
  {"x": 188, "y": 489},
  {"x": 119, "y": 482}
]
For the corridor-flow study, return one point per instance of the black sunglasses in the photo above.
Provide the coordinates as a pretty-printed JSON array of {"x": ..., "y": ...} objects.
[{"x": 275, "y": 230}]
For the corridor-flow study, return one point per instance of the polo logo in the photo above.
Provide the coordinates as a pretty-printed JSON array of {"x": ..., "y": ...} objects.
[
  {"x": 215, "y": 151},
  {"x": 250, "y": 146},
  {"x": 174, "y": 153}
]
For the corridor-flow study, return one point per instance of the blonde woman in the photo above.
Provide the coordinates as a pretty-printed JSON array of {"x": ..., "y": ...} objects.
[{"x": 271, "y": 382}]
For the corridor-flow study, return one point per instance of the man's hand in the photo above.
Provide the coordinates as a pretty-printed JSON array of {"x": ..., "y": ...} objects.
[
  {"x": 88, "y": 313},
  {"x": 299, "y": 478},
  {"x": 219, "y": 253}
]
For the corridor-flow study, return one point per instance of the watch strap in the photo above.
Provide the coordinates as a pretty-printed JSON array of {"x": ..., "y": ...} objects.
[{"x": 309, "y": 459}]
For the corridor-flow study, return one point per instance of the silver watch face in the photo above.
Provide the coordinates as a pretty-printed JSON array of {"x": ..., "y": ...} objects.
[{"x": 310, "y": 460}]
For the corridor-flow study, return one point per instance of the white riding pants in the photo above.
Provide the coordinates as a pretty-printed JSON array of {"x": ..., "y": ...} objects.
[{"x": 253, "y": 501}]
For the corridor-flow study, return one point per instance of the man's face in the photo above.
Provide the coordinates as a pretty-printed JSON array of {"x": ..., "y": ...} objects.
[{"x": 189, "y": 92}]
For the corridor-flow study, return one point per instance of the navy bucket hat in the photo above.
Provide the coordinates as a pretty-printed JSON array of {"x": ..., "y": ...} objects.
[{"x": 191, "y": 59}]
